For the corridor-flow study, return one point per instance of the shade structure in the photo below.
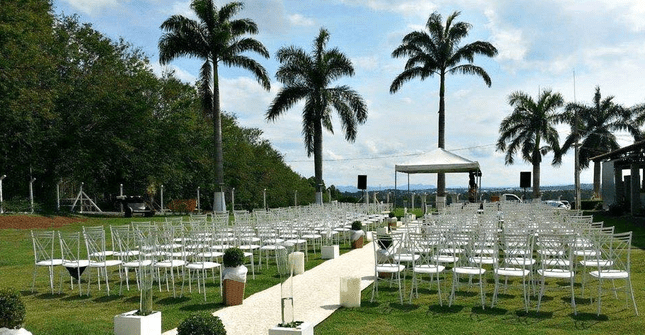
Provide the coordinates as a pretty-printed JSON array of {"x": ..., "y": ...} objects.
[{"x": 437, "y": 161}]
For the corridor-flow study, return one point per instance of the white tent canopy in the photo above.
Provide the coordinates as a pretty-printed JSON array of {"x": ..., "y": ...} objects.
[{"x": 436, "y": 161}]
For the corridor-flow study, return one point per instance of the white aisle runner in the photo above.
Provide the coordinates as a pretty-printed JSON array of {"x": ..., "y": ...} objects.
[{"x": 315, "y": 293}]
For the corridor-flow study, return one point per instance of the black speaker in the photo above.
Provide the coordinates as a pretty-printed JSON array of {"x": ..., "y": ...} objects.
[
  {"x": 525, "y": 179},
  {"x": 362, "y": 182}
]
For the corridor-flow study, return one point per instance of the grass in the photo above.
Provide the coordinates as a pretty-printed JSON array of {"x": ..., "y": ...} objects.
[
  {"x": 425, "y": 316},
  {"x": 67, "y": 313}
]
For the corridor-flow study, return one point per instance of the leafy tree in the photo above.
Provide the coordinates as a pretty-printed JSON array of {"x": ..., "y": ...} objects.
[
  {"x": 530, "y": 124},
  {"x": 596, "y": 126},
  {"x": 437, "y": 51},
  {"x": 26, "y": 99},
  {"x": 214, "y": 38},
  {"x": 307, "y": 77}
]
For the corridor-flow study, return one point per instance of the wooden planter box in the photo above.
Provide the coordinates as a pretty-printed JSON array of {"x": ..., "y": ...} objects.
[
  {"x": 232, "y": 292},
  {"x": 358, "y": 243}
]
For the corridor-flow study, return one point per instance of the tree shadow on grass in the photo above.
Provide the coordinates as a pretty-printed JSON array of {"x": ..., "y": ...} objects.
[
  {"x": 172, "y": 301},
  {"x": 445, "y": 309},
  {"x": 107, "y": 298},
  {"x": 489, "y": 311},
  {"x": 535, "y": 315},
  {"x": 586, "y": 321},
  {"x": 76, "y": 297},
  {"x": 48, "y": 296},
  {"x": 403, "y": 307},
  {"x": 26, "y": 293}
]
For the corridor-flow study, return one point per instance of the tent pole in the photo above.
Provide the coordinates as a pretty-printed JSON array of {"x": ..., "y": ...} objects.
[{"x": 394, "y": 207}]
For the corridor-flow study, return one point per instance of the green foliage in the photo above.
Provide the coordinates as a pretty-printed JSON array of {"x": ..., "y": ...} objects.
[
  {"x": 202, "y": 323},
  {"x": 78, "y": 107},
  {"x": 357, "y": 225},
  {"x": 12, "y": 309},
  {"x": 233, "y": 257}
]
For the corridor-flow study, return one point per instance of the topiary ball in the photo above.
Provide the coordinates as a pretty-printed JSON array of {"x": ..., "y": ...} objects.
[
  {"x": 201, "y": 324},
  {"x": 12, "y": 309},
  {"x": 357, "y": 225},
  {"x": 233, "y": 257}
]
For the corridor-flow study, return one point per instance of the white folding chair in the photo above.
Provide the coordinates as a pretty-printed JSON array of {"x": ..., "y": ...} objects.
[
  {"x": 517, "y": 263},
  {"x": 97, "y": 254},
  {"x": 43, "y": 242},
  {"x": 386, "y": 268},
  {"x": 425, "y": 245},
  {"x": 555, "y": 253},
  {"x": 70, "y": 246},
  {"x": 615, "y": 253}
]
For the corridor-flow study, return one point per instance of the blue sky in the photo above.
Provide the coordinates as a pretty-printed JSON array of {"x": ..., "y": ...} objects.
[{"x": 540, "y": 43}]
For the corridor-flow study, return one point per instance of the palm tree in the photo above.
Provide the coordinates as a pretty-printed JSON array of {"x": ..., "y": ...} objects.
[
  {"x": 438, "y": 51},
  {"x": 308, "y": 77},
  {"x": 215, "y": 38},
  {"x": 596, "y": 127},
  {"x": 530, "y": 124}
]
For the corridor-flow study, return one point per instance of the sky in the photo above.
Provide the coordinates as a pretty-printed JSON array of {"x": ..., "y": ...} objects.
[{"x": 568, "y": 46}]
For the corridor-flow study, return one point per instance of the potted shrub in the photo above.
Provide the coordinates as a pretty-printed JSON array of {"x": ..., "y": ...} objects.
[
  {"x": 392, "y": 222},
  {"x": 357, "y": 234},
  {"x": 202, "y": 323},
  {"x": 12, "y": 312},
  {"x": 234, "y": 277},
  {"x": 143, "y": 321}
]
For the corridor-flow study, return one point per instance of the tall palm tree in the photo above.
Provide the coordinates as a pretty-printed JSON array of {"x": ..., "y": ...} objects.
[
  {"x": 438, "y": 51},
  {"x": 215, "y": 38},
  {"x": 596, "y": 126},
  {"x": 530, "y": 124},
  {"x": 308, "y": 77}
]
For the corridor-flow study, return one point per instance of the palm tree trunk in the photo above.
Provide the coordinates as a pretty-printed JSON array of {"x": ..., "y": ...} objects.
[
  {"x": 219, "y": 201},
  {"x": 596, "y": 179},
  {"x": 318, "y": 159},
  {"x": 536, "y": 178},
  {"x": 441, "y": 177}
]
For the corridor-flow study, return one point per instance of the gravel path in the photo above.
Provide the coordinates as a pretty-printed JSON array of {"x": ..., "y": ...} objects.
[{"x": 315, "y": 293}]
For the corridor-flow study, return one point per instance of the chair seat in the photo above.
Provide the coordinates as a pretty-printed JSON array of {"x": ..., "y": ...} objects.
[
  {"x": 112, "y": 262},
  {"x": 311, "y": 236},
  {"x": 610, "y": 274},
  {"x": 406, "y": 257},
  {"x": 76, "y": 264},
  {"x": 520, "y": 261},
  {"x": 429, "y": 269},
  {"x": 99, "y": 253},
  {"x": 50, "y": 262},
  {"x": 512, "y": 272},
  {"x": 272, "y": 247},
  {"x": 556, "y": 273},
  {"x": 603, "y": 263},
  {"x": 469, "y": 270},
  {"x": 170, "y": 263},
  {"x": 136, "y": 264},
  {"x": 389, "y": 268},
  {"x": 210, "y": 254},
  {"x": 585, "y": 253},
  {"x": 202, "y": 265}
]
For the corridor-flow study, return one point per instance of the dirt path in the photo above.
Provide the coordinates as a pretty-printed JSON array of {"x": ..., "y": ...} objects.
[{"x": 35, "y": 221}]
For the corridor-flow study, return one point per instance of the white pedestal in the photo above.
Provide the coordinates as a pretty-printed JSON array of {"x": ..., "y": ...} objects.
[
  {"x": 381, "y": 231},
  {"x": 297, "y": 261},
  {"x": 305, "y": 328},
  {"x": 350, "y": 291},
  {"x": 369, "y": 236},
  {"x": 330, "y": 252},
  {"x": 131, "y": 324}
]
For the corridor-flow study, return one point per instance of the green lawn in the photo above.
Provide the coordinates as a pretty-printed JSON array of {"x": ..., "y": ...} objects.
[
  {"x": 425, "y": 316},
  {"x": 67, "y": 313}
]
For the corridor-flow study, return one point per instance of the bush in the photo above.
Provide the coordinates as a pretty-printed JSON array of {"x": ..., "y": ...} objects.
[
  {"x": 357, "y": 225},
  {"x": 201, "y": 324},
  {"x": 233, "y": 257},
  {"x": 12, "y": 309}
]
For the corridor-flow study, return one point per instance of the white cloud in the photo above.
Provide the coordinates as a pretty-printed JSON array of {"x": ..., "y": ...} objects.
[
  {"x": 368, "y": 63},
  {"x": 509, "y": 41},
  {"x": 404, "y": 7},
  {"x": 299, "y": 20},
  {"x": 92, "y": 7}
]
